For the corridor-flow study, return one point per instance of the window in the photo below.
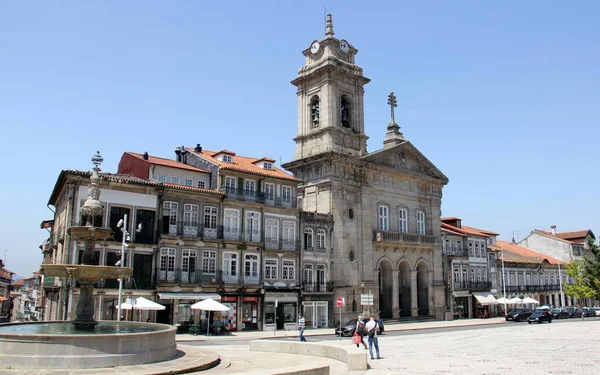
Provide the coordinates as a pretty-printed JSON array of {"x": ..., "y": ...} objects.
[
  {"x": 253, "y": 226},
  {"x": 145, "y": 218},
  {"x": 188, "y": 260},
  {"x": 470, "y": 248},
  {"x": 321, "y": 239},
  {"x": 167, "y": 259},
  {"x": 190, "y": 214},
  {"x": 308, "y": 239},
  {"x": 230, "y": 183},
  {"x": 268, "y": 166},
  {"x": 272, "y": 230},
  {"x": 288, "y": 270},
  {"x": 189, "y": 182},
  {"x": 345, "y": 111},
  {"x": 403, "y": 220},
  {"x": 170, "y": 210},
  {"x": 289, "y": 231},
  {"x": 209, "y": 262},
  {"x": 251, "y": 265},
  {"x": 249, "y": 187},
  {"x": 175, "y": 180},
  {"x": 271, "y": 269},
  {"x": 472, "y": 275},
  {"x": 456, "y": 275},
  {"x": 227, "y": 158},
  {"x": 420, "y": 222},
  {"x": 201, "y": 184},
  {"x": 231, "y": 224},
  {"x": 286, "y": 194},
  {"x": 162, "y": 178},
  {"x": 308, "y": 273},
  {"x": 117, "y": 214},
  {"x": 314, "y": 111},
  {"x": 230, "y": 264},
  {"x": 269, "y": 191},
  {"x": 383, "y": 218},
  {"x": 210, "y": 217},
  {"x": 477, "y": 249},
  {"x": 321, "y": 274}
]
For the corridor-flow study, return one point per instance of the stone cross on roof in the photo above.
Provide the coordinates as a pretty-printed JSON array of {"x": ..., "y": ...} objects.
[{"x": 392, "y": 103}]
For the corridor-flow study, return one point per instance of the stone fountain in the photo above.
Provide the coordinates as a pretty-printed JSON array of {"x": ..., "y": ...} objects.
[{"x": 85, "y": 342}]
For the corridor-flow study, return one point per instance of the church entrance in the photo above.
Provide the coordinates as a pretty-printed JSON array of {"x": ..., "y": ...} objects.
[
  {"x": 423, "y": 289},
  {"x": 385, "y": 289}
]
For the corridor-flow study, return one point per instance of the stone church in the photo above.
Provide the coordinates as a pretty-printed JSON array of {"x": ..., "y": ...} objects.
[{"x": 385, "y": 204}]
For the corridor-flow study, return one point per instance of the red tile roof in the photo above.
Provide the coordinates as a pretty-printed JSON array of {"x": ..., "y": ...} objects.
[
  {"x": 452, "y": 218},
  {"x": 577, "y": 236},
  {"x": 19, "y": 283},
  {"x": 166, "y": 162},
  {"x": 465, "y": 230},
  {"x": 451, "y": 232},
  {"x": 514, "y": 253},
  {"x": 244, "y": 164},
  {"x": 549, "y": 234}
]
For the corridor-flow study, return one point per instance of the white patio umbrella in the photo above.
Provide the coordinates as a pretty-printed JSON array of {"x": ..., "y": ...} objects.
[
  {"x": 516, "y": 300},
  {"x": 530, "y": 300},
  {"x": 209, "y": 304},
  {"x": 504, "y": 300},
  {"x": 142, "y": 303}
]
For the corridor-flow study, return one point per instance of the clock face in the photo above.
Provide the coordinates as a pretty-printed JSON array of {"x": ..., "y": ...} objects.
[
  {"x": 344, "y": 46},
  {"x": 314, "y": 48}
]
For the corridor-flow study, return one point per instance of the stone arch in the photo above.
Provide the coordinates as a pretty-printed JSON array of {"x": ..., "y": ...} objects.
[
  {"x": 386, "y": 275},
  {"x": 422, "y": 268},
  {"x": 404, "y": 290}
]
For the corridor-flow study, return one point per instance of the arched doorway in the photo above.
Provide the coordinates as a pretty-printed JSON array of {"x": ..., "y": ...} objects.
[
  {"x": 422, "y": 289},
  {"x": 385, "y": 289},
  {"x": 404, "y": 289}
]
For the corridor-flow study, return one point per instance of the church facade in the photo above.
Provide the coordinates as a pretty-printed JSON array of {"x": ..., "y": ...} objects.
[{"x": 385, "y": 205}]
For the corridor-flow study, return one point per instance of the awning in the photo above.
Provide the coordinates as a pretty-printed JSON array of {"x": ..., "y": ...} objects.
[
  {"x": 214, "y": 296},
  {"x": 485, "y": 298}
]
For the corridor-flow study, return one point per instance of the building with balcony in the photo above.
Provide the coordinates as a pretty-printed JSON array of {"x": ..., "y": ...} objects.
[
  {"x": 5, "y": 287},
  {"x": 566, "y": 246},
  {"x": 469, "y": 267}
]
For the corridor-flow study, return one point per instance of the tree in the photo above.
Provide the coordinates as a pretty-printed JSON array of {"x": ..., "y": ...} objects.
[
  {"x": 592, "y": 267},
  {"x": 581, "y": 288}
]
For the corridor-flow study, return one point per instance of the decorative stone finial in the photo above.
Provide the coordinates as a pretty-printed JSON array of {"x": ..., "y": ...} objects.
[
  {"x": 92, "y": 206},
  {"x": 393, "y": 135},
  {"x": 97, "y": 160},
  {"x": 329, "y": 26}
]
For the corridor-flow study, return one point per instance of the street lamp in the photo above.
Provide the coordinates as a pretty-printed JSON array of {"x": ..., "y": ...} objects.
[
  {"x": 503, "y": 280},
  {"x": 121, "y": 263},
  {"x": 562, "y": 293}
]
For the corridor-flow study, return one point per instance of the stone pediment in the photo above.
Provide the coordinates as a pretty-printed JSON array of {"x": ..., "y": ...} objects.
[{"x": 405, "y": 157}]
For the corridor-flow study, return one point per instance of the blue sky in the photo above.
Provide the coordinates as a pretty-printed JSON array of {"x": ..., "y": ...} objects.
[{"x": 501, "y": 96}]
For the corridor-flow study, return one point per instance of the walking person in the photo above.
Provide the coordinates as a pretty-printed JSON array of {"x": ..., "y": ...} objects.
[
  {"x": 372, "y": 328},
  {"x": 301, "y": 325},
  {"x": 361, "y": 331}
]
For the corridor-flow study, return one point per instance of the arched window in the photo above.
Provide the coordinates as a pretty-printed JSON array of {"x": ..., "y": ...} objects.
[
  {"x": 420, "y": 222},
  {"x": 314, "y": 111},
  {"x": 308, "y": 239},
  {"x": 383, "y": 218},
  {"x": 403, "y": 220},
  {"x": 345, "y": 111},
  {"x": 308, "y": 274},
  {"x": 321, "y": 239}
]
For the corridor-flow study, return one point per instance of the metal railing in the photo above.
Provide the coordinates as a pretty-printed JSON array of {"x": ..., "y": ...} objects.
[
  {"x": 456, "y": 250},
  {"x": 281, "y": 244},
  {"x": 473, "y": 285},
  {"x": 387, "y": 236},
  {"x": 532, "y": 288},
  {"x": 254, "y": 196},
  {"x": 192, "y": 229},
  {"x": 177, "y": 275},
  {"x": 317, "y": 287}
]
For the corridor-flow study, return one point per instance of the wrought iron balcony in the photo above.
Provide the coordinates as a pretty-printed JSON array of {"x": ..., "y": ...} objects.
[
  {"x": 315, "y": 248},
  {"x": 456, "y": 251},
  {"x": 192, "y": 229},
  {"x": 142, "y": 283},
  {"x": 183, "y": 276},
  {"x": 318, "y": 287},
  {"x": 413, "y": 238},
  {"x": 254, "y": 196},
  {"x": 532, "y": 288},
  {"x": 475, "y": 286},
  {"x": 281, "y": 244}
]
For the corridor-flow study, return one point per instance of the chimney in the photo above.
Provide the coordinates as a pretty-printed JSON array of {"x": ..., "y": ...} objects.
[
  {"x": 198, "y": 148},
  {"x": 553, "y": 227},
  {"x": 145, "y": 156},
  {"x": 178, "y": 153}
]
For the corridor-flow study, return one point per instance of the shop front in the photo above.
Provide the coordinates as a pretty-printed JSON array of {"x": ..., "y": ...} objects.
[
  {"x": 316, "y": 312},
  {"x": 281, "y": 310}
]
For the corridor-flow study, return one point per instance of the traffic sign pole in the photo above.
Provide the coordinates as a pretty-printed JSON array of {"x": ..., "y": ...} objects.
[{"x": 340, "y": 302}]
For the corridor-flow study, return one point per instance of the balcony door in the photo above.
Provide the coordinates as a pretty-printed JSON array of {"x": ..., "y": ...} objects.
[
  {"x": 167, "y": 264},
  {"x": 188, "y": 266},
  {"x": 191, "y": 214}
]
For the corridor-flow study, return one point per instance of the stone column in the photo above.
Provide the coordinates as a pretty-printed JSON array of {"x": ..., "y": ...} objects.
[
  {"x": 414, "y": 301},
  {"x": 430, "y": 299},
  {"x": 85, "y": 305},
  {"x": 395, "y": 294}
]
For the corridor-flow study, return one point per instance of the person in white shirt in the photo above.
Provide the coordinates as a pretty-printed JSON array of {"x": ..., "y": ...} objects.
[
  {"x": 372, "y": 328},
  {"x": 301, "y": 326}
]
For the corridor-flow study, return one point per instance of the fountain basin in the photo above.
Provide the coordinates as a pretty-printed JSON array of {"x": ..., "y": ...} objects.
[{"x": 59, "y": 345}]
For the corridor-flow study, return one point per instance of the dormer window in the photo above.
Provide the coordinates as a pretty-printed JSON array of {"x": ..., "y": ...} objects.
[
  {"x": 227, "y": 158},
  {"x": 268, "y": 166}
]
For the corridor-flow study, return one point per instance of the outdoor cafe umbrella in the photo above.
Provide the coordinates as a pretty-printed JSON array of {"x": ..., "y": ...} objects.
[
  {"x": 504, "y": 300},
  {"x": 516, "y": 300},
  {"x": 142, "y": 303},
  {"x": 530, "y": 300},
  {"x": 209, "y": 304}
]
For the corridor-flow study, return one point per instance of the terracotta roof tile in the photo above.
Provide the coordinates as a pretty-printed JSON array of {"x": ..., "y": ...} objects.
[
  {"x": 518, "y": 254},
  {"x": 224, "y": 151},
  {"x": 166, "y": 162},
  {"x": 449, "y": 231},
  {"x": 549, "y": 234},
  {"x": 452, "y": 218},
  {"x": 244, "y": 164},
  {"x": 466, "y": 230},
  {"x": 577, "y": 236}
]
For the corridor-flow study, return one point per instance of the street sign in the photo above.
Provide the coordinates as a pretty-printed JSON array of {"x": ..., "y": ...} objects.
[
  {"x": 339, "y": 302},
  {"x": 366, "y": 299}
]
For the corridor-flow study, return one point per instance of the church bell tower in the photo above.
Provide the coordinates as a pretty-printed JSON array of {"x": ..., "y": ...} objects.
[{"x": 330, "y": 99}]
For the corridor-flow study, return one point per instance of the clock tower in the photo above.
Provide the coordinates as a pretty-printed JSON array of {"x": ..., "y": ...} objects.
[{"x": 330, "y": 99}]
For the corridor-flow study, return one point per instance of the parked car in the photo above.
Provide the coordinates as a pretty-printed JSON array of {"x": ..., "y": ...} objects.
[
  {"x": 539, "y": 316},
  {"x": 518, "y": 315},
  {"x": 574, "y": 312},
  {"x": 4, "y": 319},
  {"x": 597, "y": 310},
  {"x": 559, "y": 313},
  {"x": 347, "y": 329},
  {"x": 588, "y": 312}
]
